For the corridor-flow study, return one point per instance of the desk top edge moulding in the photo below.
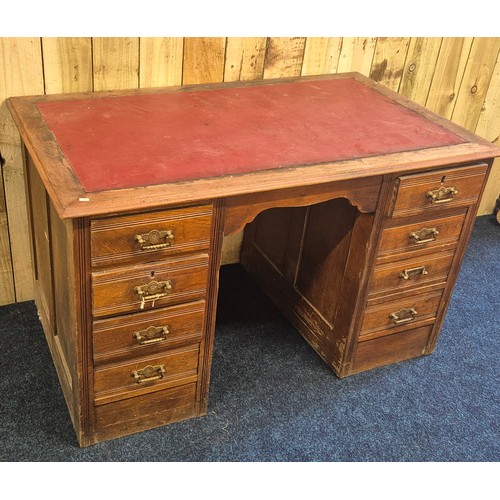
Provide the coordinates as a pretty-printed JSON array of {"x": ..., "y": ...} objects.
[
  {"x": 78, "y": 166},
  {"x": 356, "y": 206}
]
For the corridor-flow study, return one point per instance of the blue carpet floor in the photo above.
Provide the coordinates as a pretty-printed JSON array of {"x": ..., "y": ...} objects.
[{"x": 273, "y": 399}]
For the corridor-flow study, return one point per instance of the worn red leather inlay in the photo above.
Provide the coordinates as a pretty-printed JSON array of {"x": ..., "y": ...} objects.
[{"x": 129, "y": 141}]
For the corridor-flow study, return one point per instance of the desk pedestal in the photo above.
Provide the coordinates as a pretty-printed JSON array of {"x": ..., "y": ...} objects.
[
  {"x": 364, "y": 269},
  {"x": 368, "y": 289}
]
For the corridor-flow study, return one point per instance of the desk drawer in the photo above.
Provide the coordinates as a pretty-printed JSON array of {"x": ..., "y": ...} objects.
[
  {"x": 150, "y": 236},
  {"x": 436, "y": 234},
  {"x": 381, "y": 319},
  {"x": 147, "y": 333},
  {"x": 141, "y": 288},
  {"x": 145, "y": 375},
  {"x": 428, "y": 192},
  {"x": 391, "y": 348},
  {"x": 410, "y": 273},
  {"x": 145, "y": 411}
]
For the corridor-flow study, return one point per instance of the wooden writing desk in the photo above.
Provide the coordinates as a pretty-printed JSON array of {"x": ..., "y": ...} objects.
[{"x": 357, "y": 203}]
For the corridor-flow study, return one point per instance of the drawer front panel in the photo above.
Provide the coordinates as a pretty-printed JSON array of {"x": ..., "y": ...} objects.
[
  {"x": 381, "y": 319},
  {"x": 410, "y": 273},
  {"x": 150, "y": 236},
  {"x": 144, "y": 412},
  {"x": 428, "y": 192},
  {"x": 141, "y": 288},
  {"x": 147, "y": 333},
  {"x": 391, "y": 349},
  {"x": 146, "y": 375},
  {"x": 435, "y": 234}
]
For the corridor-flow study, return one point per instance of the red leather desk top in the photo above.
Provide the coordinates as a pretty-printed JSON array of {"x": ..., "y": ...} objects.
[{"x": 136, "y": 140}]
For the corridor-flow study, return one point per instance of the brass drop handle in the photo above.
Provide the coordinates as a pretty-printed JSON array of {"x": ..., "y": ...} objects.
[
  {"x": 148, "y": 374},
  {"x": 153, "y": 239},
  {"x": 403, "y": 315},
  {"x": 153, "y": 291},
  {"x": 442, "y": 195},
  {"x": 424, "y": 235},
  {"x": 408, "y": 274},
  {"x": 151, "y": 335}
]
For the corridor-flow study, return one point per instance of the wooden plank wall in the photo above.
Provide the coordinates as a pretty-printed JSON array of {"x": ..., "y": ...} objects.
[{"x": 458, "y": 78}]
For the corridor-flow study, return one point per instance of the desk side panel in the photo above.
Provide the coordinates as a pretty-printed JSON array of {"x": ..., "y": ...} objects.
[
  {"x": 39, "y": 211},
  {"x": 56, "y": 290}
]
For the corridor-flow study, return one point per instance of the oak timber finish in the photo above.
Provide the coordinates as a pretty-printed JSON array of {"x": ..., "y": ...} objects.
[
  {"x": 399, "y": 296},
  {"x": 143, "y": 412},
  {"x": 116, "y": 291},
  {"x": 408, "y": 272},
  {"x": 147, "y": 332},
  {"x": 175, "y": 367},
  {"x": 398, "y": 314},
  {"x": 241, "y": 210},
  {"x": 145, "y": 237},
  {"x": 313, "y": 269},
  {"x": 420, "y": 236},
  {"x": 58, "y": 250},
  {"x": 352, "y": 248},
  {"x": 421, "y": 193},
  {"x": 391, "y": 349}
]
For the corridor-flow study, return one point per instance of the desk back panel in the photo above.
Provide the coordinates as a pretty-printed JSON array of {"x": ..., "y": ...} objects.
[{"x": 304, "y": 259}]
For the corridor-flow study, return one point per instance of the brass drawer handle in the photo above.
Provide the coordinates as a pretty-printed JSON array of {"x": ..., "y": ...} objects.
[
  {"x": 442, "y": 195},
  {"x": 408, "y": 274},
  {"x": 153, "y": 291},
  {"x": 152, "y": 240},
  {"x": 148, "y": 374},
  {"x": 151, "y": 335},
  {"x": 403, "y": 315},
  {"x": 424, "y": 235}
]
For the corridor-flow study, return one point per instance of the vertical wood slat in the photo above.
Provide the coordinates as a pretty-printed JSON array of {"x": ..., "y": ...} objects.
[
  {"x": 203, "y": 60},
  {"x": 389, "y": 61},
  {"x": 284, "y": 57},
  {"x": 321, "y": 55},
  {"x": 475, "y": 82},
  {"x": 356, "y": 54},
  {"x": 22, "y": 74},
  {"x": 160, "y": 61},
  {"x": 488, "y": 127},
  {"x": 448, "y": 75},
  {"x": 419, "y": 68},
  {"x": 7, "y": 289},
  {"x": 67, "y": 64},
  {"x": 116, "y": 63},
  {"x": 244, "y": 59}
]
